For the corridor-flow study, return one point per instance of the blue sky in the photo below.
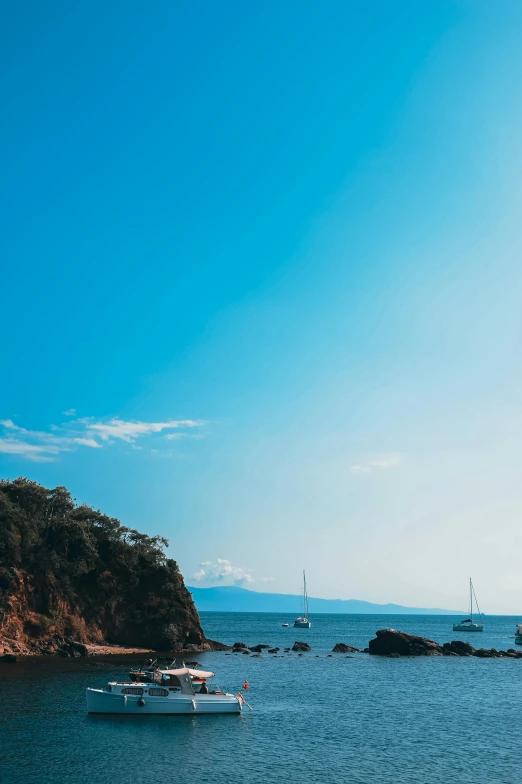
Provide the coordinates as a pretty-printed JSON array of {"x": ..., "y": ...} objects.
[{"x": 261, "y": 285}]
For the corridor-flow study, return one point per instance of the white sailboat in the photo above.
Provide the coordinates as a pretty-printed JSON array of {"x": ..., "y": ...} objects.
[
  {"x": 518, "y": 634},
  {"x": 468, "y": 625},
  {"x": 303, "y": 622}
]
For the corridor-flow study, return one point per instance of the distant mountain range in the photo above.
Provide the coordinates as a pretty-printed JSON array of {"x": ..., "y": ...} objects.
[{"x": 228, "y": 598}]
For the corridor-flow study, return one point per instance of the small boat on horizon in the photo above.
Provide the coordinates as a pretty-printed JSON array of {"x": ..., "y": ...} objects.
[
  {"x": 284, "y": 624},
  {"x": 172, "y": 692},
  {"x": 468, "y": 625},
  {"x": 303, "y": 622},
  {"x": 518, "y": 634}
]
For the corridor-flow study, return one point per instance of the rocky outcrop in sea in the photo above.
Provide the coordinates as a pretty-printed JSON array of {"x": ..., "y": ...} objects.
[
  {"x": 341, "y": 647},
  {"x": 391, "y": 642}
]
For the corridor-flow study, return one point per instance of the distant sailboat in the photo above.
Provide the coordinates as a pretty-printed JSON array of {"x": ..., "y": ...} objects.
[
  {"x": 304, "y": 621},
  {"x": 468, "y": 625}
]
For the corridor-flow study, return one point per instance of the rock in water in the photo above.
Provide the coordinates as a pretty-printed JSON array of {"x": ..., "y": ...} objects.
[
  {"x": 483, "y": 653},
  {"x": 217, "y": 646},
  {"x": 301, "y": 646},
  {"x": 458, "y": 648},
  {"x": 391, "y": 641},
  {"x": 341, "y": 647}
]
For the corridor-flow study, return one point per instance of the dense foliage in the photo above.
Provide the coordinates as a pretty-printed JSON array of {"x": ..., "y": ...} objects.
[{"x": 85, "y": 574}]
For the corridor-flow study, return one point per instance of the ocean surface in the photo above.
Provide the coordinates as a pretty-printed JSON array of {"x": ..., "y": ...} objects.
[{"x": 315, "y": 718}]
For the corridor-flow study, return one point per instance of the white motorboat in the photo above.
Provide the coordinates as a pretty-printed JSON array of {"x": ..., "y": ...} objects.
[
  {"x": 173, "y": 692},
  {"x": 285, "y": 624},
  {"x": 303, "y": 622},
  {"x": 469, "y": 625},
  {"x": 518, "y": 634}
]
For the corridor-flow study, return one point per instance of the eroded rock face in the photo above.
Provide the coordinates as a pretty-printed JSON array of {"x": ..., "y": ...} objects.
[
  {"x": 341, "y": 647},
  {"x": 301, "y": 646}
]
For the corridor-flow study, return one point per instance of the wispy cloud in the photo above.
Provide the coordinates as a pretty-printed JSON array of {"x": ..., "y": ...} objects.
[
  {"x": 70, "y": 412},
  {"x": 376, "y": 463},
  {"x": 222, "y": 571},
  {"x": 13, "y": 446},
  {"x": 130, "y": 431},
  {"x": 45, "y": 445}
]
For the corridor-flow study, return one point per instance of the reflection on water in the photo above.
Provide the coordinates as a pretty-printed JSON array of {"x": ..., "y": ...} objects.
[{"x": 359, "y": 719}]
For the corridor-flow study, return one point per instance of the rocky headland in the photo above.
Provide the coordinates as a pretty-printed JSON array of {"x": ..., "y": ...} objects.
[{"x": 75, "y": 582}]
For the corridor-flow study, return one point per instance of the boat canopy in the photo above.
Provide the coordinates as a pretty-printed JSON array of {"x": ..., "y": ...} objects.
[
  {"x": 194, "y": 673},
  {"x": 179, "y": 678}
]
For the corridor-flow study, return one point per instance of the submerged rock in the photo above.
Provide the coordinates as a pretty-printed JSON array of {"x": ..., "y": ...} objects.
[
  {"x": 341, "y": 647},
  {"x": 273, "y": 650},
  {"x": 301, "y": 646}
]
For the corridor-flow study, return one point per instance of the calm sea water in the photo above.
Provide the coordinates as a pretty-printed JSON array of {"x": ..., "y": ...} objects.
[{"x": 315, "y": 719}]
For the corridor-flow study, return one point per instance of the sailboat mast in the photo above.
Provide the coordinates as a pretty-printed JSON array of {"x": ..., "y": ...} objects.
[
  {"x": 305, "y": 602},
  {"x": 470, "y": 599}
]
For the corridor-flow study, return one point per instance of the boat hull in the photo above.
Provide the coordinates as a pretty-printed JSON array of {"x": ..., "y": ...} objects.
[
  {"x": 302, "y": 624},
  {"x": 518, "y": 640},
  {"x": 102, "y": 701},
  {"x": 458, "y": 628}
]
